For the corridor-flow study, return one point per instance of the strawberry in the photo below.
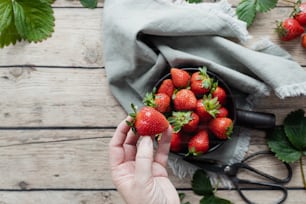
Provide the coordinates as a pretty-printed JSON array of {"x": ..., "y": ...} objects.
[
  {"x": 186, "y": 121},
  {"x": 199, "y": 143},
  {"x": 219, "y": 92},
  {"x": 166, "y": 87},
  {"x": 180, "y": 77},
  {"x": 207, "y": 108},
  {"x": 184, "y": 100},
  {"x": 200, "y": 82},
  {"x": 147, "y": 121},
  {"x": 223, "y": 112},
  {"x": 303, "y": 40},
  {"x": 299, "y": 13},
  {"x": 289, "y": 29},
  {"x": 178, "y": 142},
  {"x": 222, "y": 128},
  {"x": 159, "y": 101}
]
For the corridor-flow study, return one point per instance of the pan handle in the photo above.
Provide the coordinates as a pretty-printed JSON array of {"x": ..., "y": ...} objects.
[{"x": 257, "y": 120}]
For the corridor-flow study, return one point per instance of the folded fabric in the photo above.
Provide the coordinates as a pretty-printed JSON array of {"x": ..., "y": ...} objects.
[{"x": 143, "y": 39}]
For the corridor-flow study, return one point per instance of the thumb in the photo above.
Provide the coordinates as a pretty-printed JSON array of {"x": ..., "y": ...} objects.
[{"x": 144, "y": 160}]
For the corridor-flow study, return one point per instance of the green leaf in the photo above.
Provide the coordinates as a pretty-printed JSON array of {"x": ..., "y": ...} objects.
[
  {"x": 194, "y": 1},
  {"x": 9, "y": 36},
  {"x": 265, "y": 5},
  {"x": 281, "y": 146},
  {"x": 246, "y": 11},
  {"x": 214, "y": 200},
  {"x": 295, "y": 129},
  {"x": 34, "y": 19},
  {"x": 8, "y": 32},
  {"x": 201, "y": 184},
  {"x": 89, "y": 3}
]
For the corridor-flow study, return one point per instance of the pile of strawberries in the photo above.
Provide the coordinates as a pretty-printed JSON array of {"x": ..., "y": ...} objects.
[
  {"x": 194, "y": 104},
  {"x": 293, "y": 27}
]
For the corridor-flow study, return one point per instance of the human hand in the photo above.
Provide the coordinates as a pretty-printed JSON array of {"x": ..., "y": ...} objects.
[{"x": 139, "y": 176}]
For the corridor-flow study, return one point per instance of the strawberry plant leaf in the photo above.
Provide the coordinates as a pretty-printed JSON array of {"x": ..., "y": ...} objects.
[
  {"x": 295, "y": 129},
  {"x": 246, "y": 11},
  {"x": 8, "y": 32},
  {"x": 201, "y": 184},
  {"x": 265, "y": 5},
  {"x": 214, "y": 200},
  {"x": 281, "y": 146},
  {"x": 89, "y": 3},
  {"x": 34, "y": 19},
  {"x": 194, "y": 1}
]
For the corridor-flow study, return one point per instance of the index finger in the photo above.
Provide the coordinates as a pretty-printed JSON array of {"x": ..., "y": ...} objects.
[{"x": 116, "y": 150}]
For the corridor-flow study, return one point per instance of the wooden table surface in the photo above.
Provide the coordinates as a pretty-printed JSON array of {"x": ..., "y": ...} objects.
[{"x": 57, "y": 115}]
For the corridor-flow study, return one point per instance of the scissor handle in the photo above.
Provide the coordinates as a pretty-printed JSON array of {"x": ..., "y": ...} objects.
[
  {"x": 244, "y": 165},
  {"x": 268, "y": 186}
]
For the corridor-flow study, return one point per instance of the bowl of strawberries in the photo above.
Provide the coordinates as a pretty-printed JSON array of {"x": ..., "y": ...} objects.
[{"x": 198, "y": 105}]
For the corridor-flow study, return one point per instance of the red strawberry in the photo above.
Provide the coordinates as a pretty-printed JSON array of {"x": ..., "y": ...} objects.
[
  {"x": 200, "y": 82},
  {"x": 222, "y": 128},
  {"x": 289, "y": 29},
  {"x": 148, "y": 121},
  {"x": 219, "y": 93},
  {"x": 166, "y": 87},
  {"x": 303, "y": 40},
  {"x": 299, "y": 13},
  {"x": 187, "y": 121},
  {"x": 207, "y": 108},
  {"x": 199, "y": 143},
  {"x": 159, "y": 101},
  {"x": 184, "y": 100},
  {"x": 178, "y": 142},
  {"x": 223, "y": 112},
  {"x": 180, "y": 78}
]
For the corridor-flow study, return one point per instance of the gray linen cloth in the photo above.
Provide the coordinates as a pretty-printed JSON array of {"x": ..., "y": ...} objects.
[{"x": 144, "y": 38}]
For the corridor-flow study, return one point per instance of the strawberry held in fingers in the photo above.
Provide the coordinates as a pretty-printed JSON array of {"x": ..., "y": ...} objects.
[
  {"x": 222, "y": 128},
  {"x": 289, "y": 29},
  {"x": 180, "y": 78},
  {"x": 148, "y": 121},
  {"x": 199, "y": 143}
]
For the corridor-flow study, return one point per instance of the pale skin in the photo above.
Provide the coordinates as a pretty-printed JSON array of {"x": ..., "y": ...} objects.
[{"x": 139, "y": 175}]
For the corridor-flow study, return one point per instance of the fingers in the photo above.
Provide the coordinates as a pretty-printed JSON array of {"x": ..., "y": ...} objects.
[
  {"x": 163, "y": 148},
  {"x": 130, "y": 148},
  {"x": 116, "y": 150},
  {"x": 144, "y": 160}
]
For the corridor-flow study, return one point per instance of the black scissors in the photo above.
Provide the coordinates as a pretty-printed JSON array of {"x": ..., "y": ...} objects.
[{"x": 232, "y": 172}]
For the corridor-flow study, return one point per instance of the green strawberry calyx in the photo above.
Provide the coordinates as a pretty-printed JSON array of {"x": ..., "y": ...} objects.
[{"x": 179, "y": 119}]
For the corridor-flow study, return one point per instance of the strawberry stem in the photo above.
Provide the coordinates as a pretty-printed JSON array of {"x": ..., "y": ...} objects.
[{"x": 302, "y": 172}]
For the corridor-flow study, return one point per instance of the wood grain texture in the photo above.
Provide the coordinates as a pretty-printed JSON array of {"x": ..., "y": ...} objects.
[
  {"x": 78, "y": 159},
  {"x": 58, "y": 115},
  {"x": 78, "y": 40},
  {"x": 75, "y": 97}
]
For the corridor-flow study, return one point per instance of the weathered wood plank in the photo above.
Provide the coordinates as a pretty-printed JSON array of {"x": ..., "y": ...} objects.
[
  {"x": 61, "y": 197},
  {"x": 79, "y": 97},
  {"x": 75, "y": 97},
  {"x": 72, "y": 3},
  {"x": 77, "y": 40},
  {"x": 113, "y": 197},
  {"x": 51, "y": 159}
]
